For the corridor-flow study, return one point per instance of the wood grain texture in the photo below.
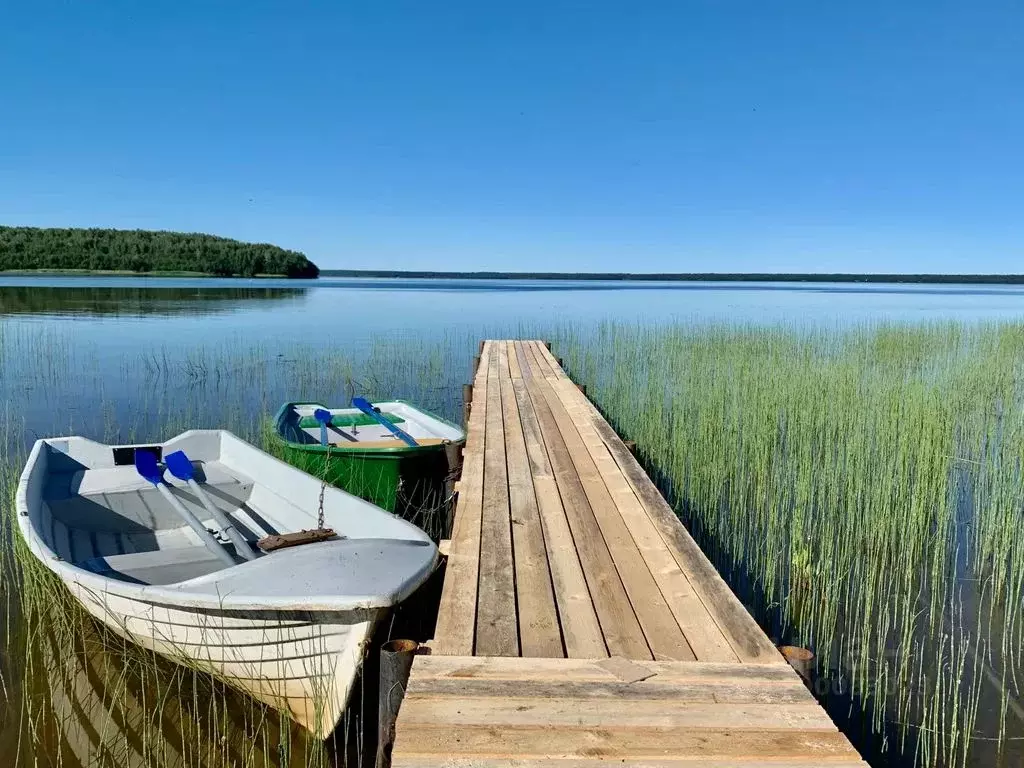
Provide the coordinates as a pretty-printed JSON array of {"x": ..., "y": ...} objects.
[
  {"x": 591, "y": 670},
  {"x": 622, "y": 632},
  {"x": 489, "y": 761},
  {"x": 702, "y": 633},
  {"x": 581, "y": 631},
  {"x": 518, "y": 710},
  {"x": 456, "y": 618},
  {"x": 497, "y": 632},
  {"x": 740, "y": 692},
  {"x": 539, "y": 633},
  {"x": 664, "y": 637},
  {"x": 746, "y": 637},
  {"x": 611, "y": 742}
]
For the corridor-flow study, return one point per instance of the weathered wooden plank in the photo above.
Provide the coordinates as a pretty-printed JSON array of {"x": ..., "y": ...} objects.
[
  {"x": 735, "y": 692},
  {"x": 539, "y": 633},
  {"x": 496, "y": 624},
  {"x": 613, "y": 743},
  {"x": 456, "y": 618},
  {"x": 597, "y": 713},
  {"x": 582, "y": 670},
  {"x": 700, "y": 630},
  {"x": 619, "y": 626},
  {"x": 662, "y": 631},
  {"x": 581, "y": 632},
  {"x": 514, "y": 369},
  {"x": 552, "y": 370},
  {"x": 488, "y": 761},
  {"x": 746, "y": 637}
]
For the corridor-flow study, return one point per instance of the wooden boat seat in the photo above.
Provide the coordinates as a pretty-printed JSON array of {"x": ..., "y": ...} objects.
[
  {"x": 86, "y": 499},
  {"x": 161, "y": 566},
  {"x": 390, "y": 443}
]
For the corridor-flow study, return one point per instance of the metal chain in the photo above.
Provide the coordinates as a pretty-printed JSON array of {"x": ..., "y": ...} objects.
[{"x": 323, "y": 489}]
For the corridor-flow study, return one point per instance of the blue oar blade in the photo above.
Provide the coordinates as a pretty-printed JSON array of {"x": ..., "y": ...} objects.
[
  {"x": 180, "y": 465},
  {"x": 366, "y": 407},
  {"x": 363, "y": 405},
  {"x": 147, "y": 466}
]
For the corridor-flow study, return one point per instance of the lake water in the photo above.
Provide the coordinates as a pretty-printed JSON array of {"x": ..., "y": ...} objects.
[
  {"x": 137, "y": 359},
  {"x": 79, "y": 350}
]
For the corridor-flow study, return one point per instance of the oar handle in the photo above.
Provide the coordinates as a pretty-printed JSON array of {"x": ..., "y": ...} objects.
[
  {"x": 323, "y": 417},
  {"x": 211, "y": 543},
  {"x": 241, "y": 545},
  {"x": 366, "y": 407}
]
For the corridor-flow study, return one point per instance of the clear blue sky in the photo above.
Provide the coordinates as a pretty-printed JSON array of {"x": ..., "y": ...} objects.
[{"x": 642, "y": 136}]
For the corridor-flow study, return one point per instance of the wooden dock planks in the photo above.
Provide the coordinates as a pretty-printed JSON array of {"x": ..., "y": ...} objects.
[
  {"x": 564, "y": 554},
  {"x": 456, "y": 619},
  {"x": 538, "y": 619},
  {"x": 471, "y": 711}
]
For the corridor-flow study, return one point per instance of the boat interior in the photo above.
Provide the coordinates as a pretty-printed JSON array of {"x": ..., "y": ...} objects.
[{"x": 113, "y": 522}]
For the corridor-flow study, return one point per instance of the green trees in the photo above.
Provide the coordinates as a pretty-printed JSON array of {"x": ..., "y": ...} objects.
[{"x": 144, "y": 251}]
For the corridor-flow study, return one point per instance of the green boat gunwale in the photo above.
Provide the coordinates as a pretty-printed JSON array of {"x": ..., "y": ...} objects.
[{"x": 335, "y": 450}]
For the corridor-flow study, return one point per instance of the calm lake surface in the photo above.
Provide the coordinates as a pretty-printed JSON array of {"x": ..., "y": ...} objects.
[
  {"x": 138, "y": 359},
  {"x": 109, "y": 345}
]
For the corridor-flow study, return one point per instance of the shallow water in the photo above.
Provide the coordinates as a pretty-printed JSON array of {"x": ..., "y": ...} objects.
[{"x": 137, "y": 359}]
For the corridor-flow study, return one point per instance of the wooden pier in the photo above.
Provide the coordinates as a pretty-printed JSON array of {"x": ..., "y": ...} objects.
[{"x": 579, "y": 621}]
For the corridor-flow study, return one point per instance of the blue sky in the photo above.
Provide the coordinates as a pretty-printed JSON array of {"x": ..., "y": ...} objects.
[{"x": 651, "y": 136}]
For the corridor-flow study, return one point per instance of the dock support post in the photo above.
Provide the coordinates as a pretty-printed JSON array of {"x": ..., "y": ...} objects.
[
  {"x": 801, "y": 660},
  {"x": 467, "y": 403},
  {"x": 395, "y": 663}
]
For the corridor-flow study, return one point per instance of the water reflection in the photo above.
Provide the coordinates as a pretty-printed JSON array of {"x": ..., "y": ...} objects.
[
  {"x": 77, "y": 695},
  {"x": 99, "y": 301}
]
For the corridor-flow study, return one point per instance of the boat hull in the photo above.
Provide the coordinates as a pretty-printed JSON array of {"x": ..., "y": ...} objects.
[
  {"x": 299, "y": 662},
  {"x": 392, "y": 480}
]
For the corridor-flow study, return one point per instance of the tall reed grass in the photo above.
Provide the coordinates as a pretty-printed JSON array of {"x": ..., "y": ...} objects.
[{"x": 862, "y": 491}]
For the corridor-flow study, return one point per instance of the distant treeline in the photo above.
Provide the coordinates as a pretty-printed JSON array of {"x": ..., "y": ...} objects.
[
  {"x": 724, "y": 277},
  {"x": 31, "y": 248}
]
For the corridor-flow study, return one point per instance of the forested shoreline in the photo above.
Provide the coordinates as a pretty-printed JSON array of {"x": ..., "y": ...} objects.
[{"x": 142, "y": 251}]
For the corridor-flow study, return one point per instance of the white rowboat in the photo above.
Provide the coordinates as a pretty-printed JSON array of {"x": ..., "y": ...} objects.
[{"x": 288, "y": 627}]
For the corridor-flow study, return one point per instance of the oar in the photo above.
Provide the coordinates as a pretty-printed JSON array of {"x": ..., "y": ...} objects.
[
  {"x": 324, "y": 418},
  {"x": 146, "y": 465},
  {"x": 367, "y": 407},
  {"x": 181, "y": 467}
]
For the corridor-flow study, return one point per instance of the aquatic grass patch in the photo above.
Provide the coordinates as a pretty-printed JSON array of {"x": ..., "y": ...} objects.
[{"x": 861, "y": 489}]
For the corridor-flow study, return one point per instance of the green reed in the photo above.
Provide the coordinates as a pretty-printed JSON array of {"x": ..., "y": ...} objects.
[{"x": 862, "y": 491}]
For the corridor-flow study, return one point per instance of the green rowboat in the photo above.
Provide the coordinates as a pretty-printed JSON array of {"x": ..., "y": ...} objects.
[{"x": 365, "y": 458}]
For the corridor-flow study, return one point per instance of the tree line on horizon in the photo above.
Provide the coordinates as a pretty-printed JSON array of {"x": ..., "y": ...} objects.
[{"x": 34, "y": 248}]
